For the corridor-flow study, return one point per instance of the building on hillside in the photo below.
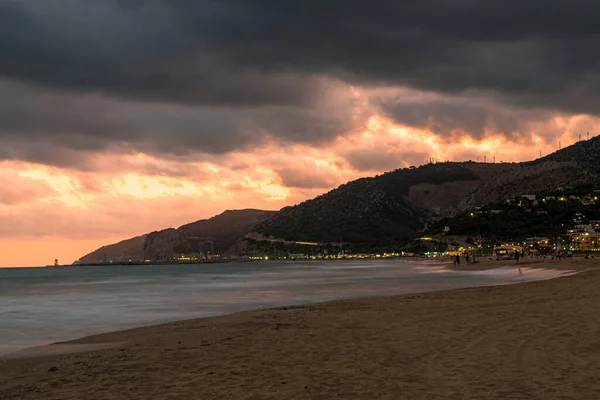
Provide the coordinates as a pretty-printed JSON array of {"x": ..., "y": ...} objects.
[
  {"x": 587, "y": 200},
  {"x": 529, "y": 196},
  {"x": 538, "y": 246},
  {"x": 583, "y": 237},
  {"x": 588, "y": 241},
  {"x": 540, "y": 241},
  {"x": 578, "y": 218},
  {"x": 297, "y": 256},
  {"x": 550, "y": 198},
  {"x": 577, "y": 229}
]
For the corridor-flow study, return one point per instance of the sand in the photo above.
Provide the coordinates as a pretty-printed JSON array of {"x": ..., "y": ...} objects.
[
  {"x": 537, "y": 340},
  {"x": 59, "y": 349}
]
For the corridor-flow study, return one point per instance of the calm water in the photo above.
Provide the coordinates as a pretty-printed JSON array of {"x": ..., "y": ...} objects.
[{"x": 43, "y": 305}]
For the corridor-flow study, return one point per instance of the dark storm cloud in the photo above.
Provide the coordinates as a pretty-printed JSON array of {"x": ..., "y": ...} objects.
[
  {"x": 179, "y": 76},
  {"x": 263, "y": 52},
  {"x": 133, "y": 50},
  {"x": 59, "y": 129},
  {"x": 44, "y": 153},
  {"x": 532, "y": 53},
  {"x": 447, "y": 117}
]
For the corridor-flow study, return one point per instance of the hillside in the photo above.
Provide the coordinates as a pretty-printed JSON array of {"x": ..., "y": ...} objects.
[
  {"x": 217, "y": 233},
  {"x": 389, "y": 209},
  {"x": 130, "y": 249},
  {"x": 380, "y": 211},
  {"x": 575, "y": 165},
  {"x": 585, "y": 153},
  {"x": 546, "y": 216}
]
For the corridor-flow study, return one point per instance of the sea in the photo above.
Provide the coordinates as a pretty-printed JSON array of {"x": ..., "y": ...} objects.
[{"x": 40, "y": 306}]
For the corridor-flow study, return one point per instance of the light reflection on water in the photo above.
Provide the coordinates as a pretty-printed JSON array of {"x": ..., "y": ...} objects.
[{"x": 42, "y": 305}]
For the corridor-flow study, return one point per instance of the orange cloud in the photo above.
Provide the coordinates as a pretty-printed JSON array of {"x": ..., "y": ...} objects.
[
  {"x": 17, "y": 189},
  {"x": 67, "y": 211}
]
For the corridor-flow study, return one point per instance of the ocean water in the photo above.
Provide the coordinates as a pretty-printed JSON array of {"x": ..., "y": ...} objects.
[{"x": 43, "y": 305}]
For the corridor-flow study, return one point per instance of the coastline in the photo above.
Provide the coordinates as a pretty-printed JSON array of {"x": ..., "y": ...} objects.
[
  {"x": 404, "y": 346},
  {"x": 574, "y": 263}
]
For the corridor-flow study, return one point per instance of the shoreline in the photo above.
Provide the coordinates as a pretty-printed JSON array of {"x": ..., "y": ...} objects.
[
  {"x": 51, "y": 348},
  {"x": 76, "y": 345},
  {"x": 251, "y": 341},
  {"x": 490, "y": 261}
]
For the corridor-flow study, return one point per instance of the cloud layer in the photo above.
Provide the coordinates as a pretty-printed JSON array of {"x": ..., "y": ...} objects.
[
  {"x": 220, "y": 75},
  {"x": 265, "y": 52},
  {"x": 119, "y": 111}
]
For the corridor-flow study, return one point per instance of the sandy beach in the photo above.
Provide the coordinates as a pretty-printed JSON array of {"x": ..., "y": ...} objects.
[{"x": 537, "y": 340}]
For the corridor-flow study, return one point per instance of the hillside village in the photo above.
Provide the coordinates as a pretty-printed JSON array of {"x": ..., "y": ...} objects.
[
  {"x": 539, "y": 222},
  {"x": 566, "y": 216}
]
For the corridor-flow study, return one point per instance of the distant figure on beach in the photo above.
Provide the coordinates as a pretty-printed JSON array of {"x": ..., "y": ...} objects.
[
  {"x": 467, "y": 257},
  {"x": 517, "y": 255},
  {"x": 458, "y": 259}
]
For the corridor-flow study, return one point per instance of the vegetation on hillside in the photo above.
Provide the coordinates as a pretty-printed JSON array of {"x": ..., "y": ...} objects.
[
  {"x": 586, "y": 153},
  {"x": 368, "y": 212},
  {"x": 215, "y": 234}
]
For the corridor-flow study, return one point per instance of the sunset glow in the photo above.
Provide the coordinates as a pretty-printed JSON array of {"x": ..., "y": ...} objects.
[
  {"x": 65, "y": 212},
  {"x": 169, "y": 119}
]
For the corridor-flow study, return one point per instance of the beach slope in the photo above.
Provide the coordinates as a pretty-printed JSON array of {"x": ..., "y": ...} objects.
[{"x": 538, "y": 340}]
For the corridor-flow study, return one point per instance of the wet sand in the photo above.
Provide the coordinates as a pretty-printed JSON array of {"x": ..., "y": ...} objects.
[
  {"x": 536, "y": 340},
  {"x": 57, "y": 349},
  {"x": 490, "y": 263}
]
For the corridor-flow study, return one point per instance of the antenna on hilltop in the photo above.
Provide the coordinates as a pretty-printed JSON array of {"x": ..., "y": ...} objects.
[
  {"x": 580, "y": 137},
  {"x": 588, "y": 136},
  {"x": 559, "y": 144}
]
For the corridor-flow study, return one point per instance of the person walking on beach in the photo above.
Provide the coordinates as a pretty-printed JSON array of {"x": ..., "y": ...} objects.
[{"x": 517, "y": 255}]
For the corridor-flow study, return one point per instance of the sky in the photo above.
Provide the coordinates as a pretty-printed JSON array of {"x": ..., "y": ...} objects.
[{"x": 120, "y": 117}]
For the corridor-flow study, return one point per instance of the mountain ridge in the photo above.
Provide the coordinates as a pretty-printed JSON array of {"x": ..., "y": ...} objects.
[
  {"x": 427, "y": 193},
  {"x": 373, "y": 212},
  {"x": 217, "y": 233}
]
